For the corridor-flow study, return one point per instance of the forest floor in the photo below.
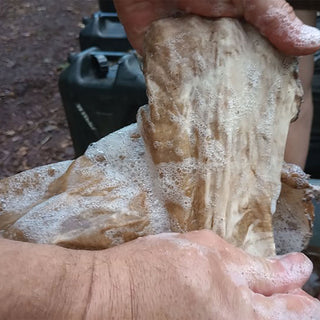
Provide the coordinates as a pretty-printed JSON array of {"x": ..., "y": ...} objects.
[{"x": 35, "y": 40}]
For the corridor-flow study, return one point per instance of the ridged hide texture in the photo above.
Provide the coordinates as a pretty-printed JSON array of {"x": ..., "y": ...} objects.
[{"x": 207, "y": 151}]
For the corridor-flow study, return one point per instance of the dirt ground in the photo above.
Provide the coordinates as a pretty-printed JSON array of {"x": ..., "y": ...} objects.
[{"x": 35, "y": 39}]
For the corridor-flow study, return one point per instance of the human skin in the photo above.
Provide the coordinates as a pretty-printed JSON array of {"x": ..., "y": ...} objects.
[
  {"x": 274, "y": 18},
  {"x": 196, "y": 275},
  {"x": 299, "y": 132}
]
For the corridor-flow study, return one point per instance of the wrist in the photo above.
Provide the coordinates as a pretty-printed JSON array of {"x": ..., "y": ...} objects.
[
  {"x": 127, "y": 283},
  {"x": 42, "y": 281},
  {"x": 72, "y": 284},
  {"x": 110, "y": 292}
]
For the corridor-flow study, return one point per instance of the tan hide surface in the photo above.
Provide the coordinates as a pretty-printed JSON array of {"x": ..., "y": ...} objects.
[{"x": 206, "y": 153}]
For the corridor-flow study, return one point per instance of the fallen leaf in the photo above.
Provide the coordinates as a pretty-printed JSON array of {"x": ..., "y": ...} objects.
[
  {"x": 45, "y": 140},
  {"x": 16, "y": 138},
  {"x": 66, "y": 143},
  {"x": 50, "y": 128},
  {"x": 22, "y": 151},
  {"x": 10, "y": 133}
]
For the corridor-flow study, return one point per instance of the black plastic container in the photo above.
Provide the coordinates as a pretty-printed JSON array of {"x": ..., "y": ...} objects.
[
  {"x": 104, "y": 30},
  {"x": 101, "y": 92},
  {"x": 106, "y": 6}
]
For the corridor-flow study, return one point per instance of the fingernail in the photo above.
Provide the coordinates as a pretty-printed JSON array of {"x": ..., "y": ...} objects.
[
  {"x": 308, "y": 36},
  {"x": 295, "y": 264}
]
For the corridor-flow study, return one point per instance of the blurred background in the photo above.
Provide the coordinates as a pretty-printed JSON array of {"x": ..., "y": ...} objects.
[
  {"x": 69, "y": 77},
  {"x": 36, "y": 37}
]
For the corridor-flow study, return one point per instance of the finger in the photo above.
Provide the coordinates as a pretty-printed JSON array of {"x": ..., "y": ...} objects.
[
  {"x": 137, "y": 15},
  {"x": 274, "y": 18},
  {"x": 300, "y": 292},
  {"x": 279, "y": 275},
  {"x": 212, "y": 8},
  {"x": 209, "y": 239},
  {"x": 265, "y": 276},
  {"x": 289, "y": 306},
  {"x": 277, "y": 21}
]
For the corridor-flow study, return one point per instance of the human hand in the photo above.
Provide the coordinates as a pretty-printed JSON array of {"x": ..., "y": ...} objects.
[
  {"x": 274, "y": 18},
  {"x": 198, "y": 275}
]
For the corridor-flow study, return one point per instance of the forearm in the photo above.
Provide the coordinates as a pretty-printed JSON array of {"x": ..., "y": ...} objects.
[
  {"x": 299, "y": 131},
  {"x": 43, "y": 282}
]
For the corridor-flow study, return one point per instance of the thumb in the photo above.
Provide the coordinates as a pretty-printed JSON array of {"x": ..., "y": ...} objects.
[
  {"x": 280, "y": 274},
  {"x": 277, "y": 21}
]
